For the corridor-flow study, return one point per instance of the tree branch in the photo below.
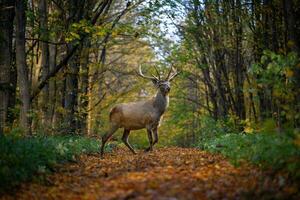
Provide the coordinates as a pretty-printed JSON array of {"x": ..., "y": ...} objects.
[
  {"x": 66, "y": 59},
  {"x": 45, "y": 41}
]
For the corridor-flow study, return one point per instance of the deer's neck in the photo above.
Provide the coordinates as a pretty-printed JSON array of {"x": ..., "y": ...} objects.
[{"x": 161, "y": 102}]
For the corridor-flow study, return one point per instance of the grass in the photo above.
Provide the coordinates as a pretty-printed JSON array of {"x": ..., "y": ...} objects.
[
  {"x": 22, "y": 158},
  {"x": 265, "y": 150}
]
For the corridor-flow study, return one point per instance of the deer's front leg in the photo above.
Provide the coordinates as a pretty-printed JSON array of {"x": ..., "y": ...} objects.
[
  {"x": 155, "y": 135},
  {"x": 149, "y": 132}
]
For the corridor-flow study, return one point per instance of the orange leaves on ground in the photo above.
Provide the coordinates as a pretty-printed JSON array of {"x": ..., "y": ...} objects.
[{"x": 166, "y": 173}]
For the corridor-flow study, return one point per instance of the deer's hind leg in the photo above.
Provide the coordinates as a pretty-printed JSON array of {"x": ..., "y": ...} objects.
[
  {"x": 125, "y": 140},
  {"x": 112, "y": 130}
]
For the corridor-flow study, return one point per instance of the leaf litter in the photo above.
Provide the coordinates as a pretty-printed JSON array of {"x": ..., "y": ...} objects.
[{"x": 164, "y": 174}]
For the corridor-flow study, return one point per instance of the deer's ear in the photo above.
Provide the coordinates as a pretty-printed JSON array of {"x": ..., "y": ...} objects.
[{"x": 155, "y": 82}]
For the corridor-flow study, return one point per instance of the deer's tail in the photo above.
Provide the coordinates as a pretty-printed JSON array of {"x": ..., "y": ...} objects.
[{"x": 113, "y": 111}]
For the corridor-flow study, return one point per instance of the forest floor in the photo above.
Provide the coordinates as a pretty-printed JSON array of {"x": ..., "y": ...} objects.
[{"x": 166, "y": 173}]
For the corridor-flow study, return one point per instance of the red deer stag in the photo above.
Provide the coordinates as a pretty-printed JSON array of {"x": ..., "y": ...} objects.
[{"x": 141, "y": 114}]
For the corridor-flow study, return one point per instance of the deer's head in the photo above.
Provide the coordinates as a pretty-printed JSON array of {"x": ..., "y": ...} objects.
[{"x": 163, "y": 84}]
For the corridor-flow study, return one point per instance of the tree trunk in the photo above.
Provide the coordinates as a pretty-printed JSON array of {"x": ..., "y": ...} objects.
[
  {"x": 6, "y": 56},
  {"x": 71, "y": 98},
  {"x": 23, "y": 82},
  {"x": 52, "y": 85},
  {"x": 44, "y": 56},
  {"x": 292, "y": 21},
  {"x": 13, "y": 86},
  {"x": 239, "y": 65},
  {"x": 211, "y": 92},
  {"x": 290, "y": 25},
  {"x": 71, "y": 94},
  {"x": 217, "y": 73},
  {"x": 84, "y": 89}
]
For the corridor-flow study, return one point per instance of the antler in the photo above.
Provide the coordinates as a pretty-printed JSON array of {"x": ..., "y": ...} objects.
[
  {"x": 157, "y": 72},
  {"x": 140, "y": 73},
  {"x": 167, "y": 78},
  {"x": 170, "y": 75}
]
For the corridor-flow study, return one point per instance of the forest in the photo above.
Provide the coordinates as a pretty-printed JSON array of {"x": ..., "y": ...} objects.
[{"x": 228, "y": 73}]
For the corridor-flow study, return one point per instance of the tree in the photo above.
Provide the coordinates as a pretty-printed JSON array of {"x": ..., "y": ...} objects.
[
  {"x": 23, "y": 82},
  {"x": 7, "y": 71},
  {"x": 44, "y": 58}
]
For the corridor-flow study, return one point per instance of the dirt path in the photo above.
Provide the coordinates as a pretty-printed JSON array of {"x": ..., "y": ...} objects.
[{"x": 166, "y": 173}]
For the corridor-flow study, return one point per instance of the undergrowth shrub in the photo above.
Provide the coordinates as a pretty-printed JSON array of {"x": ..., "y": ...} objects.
[
  {"x": 259, "y": 144},
  {"x": 266, "y": 150},
  {"x": 23, "y": 158},
  {"x": 208, "y": 128}
]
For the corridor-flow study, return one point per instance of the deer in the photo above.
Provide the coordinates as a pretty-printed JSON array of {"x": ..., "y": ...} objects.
[{"x": 141, "y": 114}]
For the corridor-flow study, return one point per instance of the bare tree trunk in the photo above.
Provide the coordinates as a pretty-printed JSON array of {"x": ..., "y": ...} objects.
[
  {"x": 55, "y": 101},
  {"x": 252, "y": 104},
  {"x": 291, "y": 11},
  {"x": 13, "y": 86},
  {"x": 71, "y": 98},
  {"x": 44, "y": 56},
  {"x": 6, "y": 56},
  {"x": 290, "y": 25},
  {"x": 23, "y": 82},
  {"x": 72, "y": 94},
  {"x": 89, "y": 107},
  {"x": 84, "y": 85},
  {"x": 222, "y": 100},
  {"x": 211, "y": 92},
  {"x": 239, "y": 65},
  {"x": 264, "y": 94},
  {"x": 52, "y": 85}
]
